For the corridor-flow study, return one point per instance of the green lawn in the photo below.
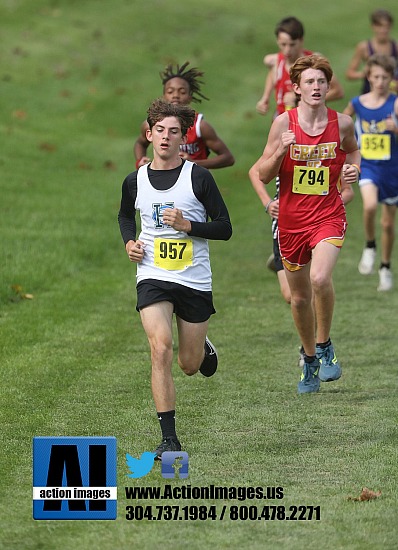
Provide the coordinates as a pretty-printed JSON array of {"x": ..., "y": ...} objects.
[{"x": 76, "y": 80}]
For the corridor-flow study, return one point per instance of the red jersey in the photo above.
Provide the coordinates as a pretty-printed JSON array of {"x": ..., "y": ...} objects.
[
  {"x": 309, "y": 191},
  {"x": 283, "y": 83},
  {"x": 195, "y": 146}
]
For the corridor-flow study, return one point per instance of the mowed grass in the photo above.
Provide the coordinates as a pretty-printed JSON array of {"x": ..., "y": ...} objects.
[{"x": 76, "y": 80}]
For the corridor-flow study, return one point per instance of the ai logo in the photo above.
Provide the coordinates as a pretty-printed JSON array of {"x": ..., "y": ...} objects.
[
  {"x": 175, "y": 464},
  {"x": 74, "y": 478}
]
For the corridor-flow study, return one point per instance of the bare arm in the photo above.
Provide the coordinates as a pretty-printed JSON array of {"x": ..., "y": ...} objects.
[
  {"x": 222, "y": 157},
  {"x": 392, "y": 122},
  {"x": 347, "y": 191},
  {"x": 335, "y": 91},
  {"x": 279, "y": 140},
  {"x": 271, "y": 205},
  {"x": 351, "y": 169},
  {"x": 141, "y": 145},
  {"x": 349, "y": 110},
  {"x": 262, "y": 105},
  {"x": 353, "y": 71}
]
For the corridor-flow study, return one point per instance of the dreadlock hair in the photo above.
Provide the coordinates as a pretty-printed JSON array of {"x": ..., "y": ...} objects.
[
  {"x": 161, "y": 109},
  {"x": 191, "y": 76}
]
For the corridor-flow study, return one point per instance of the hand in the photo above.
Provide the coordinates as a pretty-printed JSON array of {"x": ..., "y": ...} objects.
[
  {"x": 135, "y": 251},
  {"x": 174, "y": 218},
  {"x": 390, "y": 125},
  {"x": 273, "y": 208},
  {"x": 350, "y": 173},
  {"x": 184, "y": 155},
  {"x": 262, "y": 106},
  {"x": 142, "y": 161},
  {"x": 287, "y": 139}
]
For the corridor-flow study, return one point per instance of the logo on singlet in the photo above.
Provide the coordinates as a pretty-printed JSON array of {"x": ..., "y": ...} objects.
[
  {"x": 157, "y": 212},
  {"x": 311, "y": 153},
  {"x": 373, "y": 127},
  {"x": 190, "y": 148}
]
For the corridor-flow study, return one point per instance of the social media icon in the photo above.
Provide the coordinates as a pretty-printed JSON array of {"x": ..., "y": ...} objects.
[
  {"x": 140, "y": 467},
  {"x": 174, "y": 464}
]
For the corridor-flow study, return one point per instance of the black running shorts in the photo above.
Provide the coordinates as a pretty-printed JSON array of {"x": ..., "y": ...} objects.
[{"x": 193, "y": 306}]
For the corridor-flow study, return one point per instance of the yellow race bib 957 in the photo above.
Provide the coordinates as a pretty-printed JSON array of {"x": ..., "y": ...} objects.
[
  {"x": 376, "y": 146},
  {"x": 311, "y": 180},
  {"x": 173, "y": 254}
]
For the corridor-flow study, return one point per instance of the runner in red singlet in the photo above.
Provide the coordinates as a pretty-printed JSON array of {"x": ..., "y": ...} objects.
[{"x": 308, "y": 148}]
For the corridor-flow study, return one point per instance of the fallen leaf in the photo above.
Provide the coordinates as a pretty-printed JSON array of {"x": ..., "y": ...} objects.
[
  {"x": 85, "y": 166},
  {"x": 50, "y": 147},
  {"x": 109, "y": 165},
  {"x": 366, "y": 494},
  {"x": 17, "y": 288},
  {"x": 19, "y": 113}
]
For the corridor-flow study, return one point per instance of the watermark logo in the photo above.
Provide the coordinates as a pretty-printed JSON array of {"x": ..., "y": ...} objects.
[
  {"x": 140, "y": 467},
  {"x": 174, "y": 464},
  {"x": 74, "y": 478}
]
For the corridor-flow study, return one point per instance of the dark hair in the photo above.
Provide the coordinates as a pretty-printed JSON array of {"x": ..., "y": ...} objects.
[
  {"x": 291, "y": 26},
  {"x": 314, "y": 61},
  {"x": 378, "y": 16},
  {"x": 161, "y": 109},
  {"x": 191, "y": 76},
  {"x": 386, "y": 62}
]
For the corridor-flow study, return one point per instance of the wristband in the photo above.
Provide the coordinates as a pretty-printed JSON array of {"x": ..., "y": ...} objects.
[
  {"x": 357, "y": 167},
  {"x": 267, "y": 205}
]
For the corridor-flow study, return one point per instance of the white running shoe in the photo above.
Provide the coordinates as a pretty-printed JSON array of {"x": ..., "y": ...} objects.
[
  {"x": 385, "y": 279},
  {"x": 365, "y": 266}
]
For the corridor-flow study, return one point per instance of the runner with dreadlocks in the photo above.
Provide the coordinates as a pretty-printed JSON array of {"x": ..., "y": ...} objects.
[{"x": 182, "y": 85}]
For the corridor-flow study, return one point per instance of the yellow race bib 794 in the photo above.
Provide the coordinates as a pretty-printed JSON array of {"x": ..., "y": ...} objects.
[{"x": 311, "y": 180}]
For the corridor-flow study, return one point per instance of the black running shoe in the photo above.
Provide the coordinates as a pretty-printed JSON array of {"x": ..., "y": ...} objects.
[
  {"x": 210, "y": 361},
  {"x": 168, "y": 444}
]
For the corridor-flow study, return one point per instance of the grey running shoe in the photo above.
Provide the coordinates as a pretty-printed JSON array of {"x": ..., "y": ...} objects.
[
  {"x": 329, "y": 368},
  {"x": 309, "y": 379}
]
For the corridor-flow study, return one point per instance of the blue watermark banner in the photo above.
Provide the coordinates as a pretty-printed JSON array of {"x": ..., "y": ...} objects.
[{"x": 74, "y": 478}]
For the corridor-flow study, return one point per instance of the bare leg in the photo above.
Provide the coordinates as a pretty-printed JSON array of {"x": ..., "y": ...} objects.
[
  {"x": 369, "y": 194},
  {"x": 324, "y": 258},
  {"x": 157, "y": 322},
  {"x": 191, "y": 345},
  {"x": 301, "y": 304},
  {"x": 388, "y": 231},
  {"x": 284, "y": 286}
]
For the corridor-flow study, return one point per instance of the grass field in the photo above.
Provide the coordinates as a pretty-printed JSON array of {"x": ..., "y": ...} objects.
[{"x": 76, "y": 80}]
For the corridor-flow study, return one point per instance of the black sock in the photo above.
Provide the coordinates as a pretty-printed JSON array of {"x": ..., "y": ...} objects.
[
  {"x": 385, "y": 264},
  {"x": 167, "y": 424},
  {"x": 309, "y": 358},
  {"x": 324, "y": 345},
  {"x": 371, "y": 244}
]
